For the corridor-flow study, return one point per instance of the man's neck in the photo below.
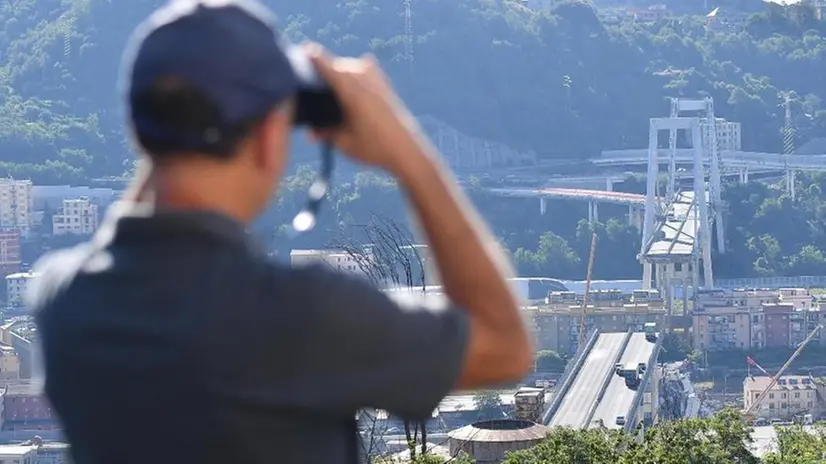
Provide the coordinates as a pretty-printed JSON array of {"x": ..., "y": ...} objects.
[{"x": 160, "y": 189}]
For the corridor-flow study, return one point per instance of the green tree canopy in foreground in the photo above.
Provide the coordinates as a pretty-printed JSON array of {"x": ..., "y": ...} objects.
[{"x": 722, "y": 439}]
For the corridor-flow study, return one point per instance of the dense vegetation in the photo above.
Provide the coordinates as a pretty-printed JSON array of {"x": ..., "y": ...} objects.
[
  {"x": 560, "y": 82},
  {"x": 769, "y": 233},
  {"x": 720, "y": 439}
]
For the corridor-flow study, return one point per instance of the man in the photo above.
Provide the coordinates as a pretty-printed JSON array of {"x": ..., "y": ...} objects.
[{"x": 170, "y": 338}]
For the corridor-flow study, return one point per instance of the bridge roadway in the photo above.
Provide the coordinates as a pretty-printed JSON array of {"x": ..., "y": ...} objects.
[
  {"x": 622, "y": 198},
  {"x": 618, "y": 398},
  {"x": 586, "y": 387},
  {"x": 675, "y": 236},
  {"x": 730, "y": 158}
]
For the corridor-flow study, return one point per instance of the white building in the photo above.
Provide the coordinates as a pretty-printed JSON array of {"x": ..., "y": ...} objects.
[
  {"x": 50, "y": 197},
  {"x": 16, "y": 205},
  {"x": 18, "y": 454},
  {"x": 791, "y": 395},
  {"x": 17, "y": 285},
  {"x": 728, "y": 134},
  {"x": 78, "y": 216}
]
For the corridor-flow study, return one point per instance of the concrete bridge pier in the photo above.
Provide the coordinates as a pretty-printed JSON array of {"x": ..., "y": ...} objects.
[
  {"x": 635, "y": 217},
  {"x": 543, "y": 205},
  {"x": 593, "y": 212},
  {"x": 744, "y": 175},
  {"x": 790, "y": 181},
  {"x": 647, "y": 275}
]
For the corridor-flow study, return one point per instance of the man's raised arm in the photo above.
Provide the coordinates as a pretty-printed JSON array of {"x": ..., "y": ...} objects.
[
  {"x": 471, "y": 264},
  {"x": 379, "y": 130}
]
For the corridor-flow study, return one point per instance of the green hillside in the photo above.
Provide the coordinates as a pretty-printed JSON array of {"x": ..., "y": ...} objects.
[{"x": 560, "y": 83}]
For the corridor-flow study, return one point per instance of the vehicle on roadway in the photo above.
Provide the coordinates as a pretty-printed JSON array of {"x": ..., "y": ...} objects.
[
  {"x": 620, "y": 420},
  {"x": 651, "y": 331},
  {"x": 631, "y": 372}
]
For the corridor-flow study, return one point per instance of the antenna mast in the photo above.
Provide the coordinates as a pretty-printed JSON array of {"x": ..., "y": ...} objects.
[{"x": 788, "y": 128}]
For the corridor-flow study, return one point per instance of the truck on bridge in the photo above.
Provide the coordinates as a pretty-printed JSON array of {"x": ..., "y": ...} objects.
[
  {"x": 632, "y": 372},
  {"x": 651, "y": 331}
]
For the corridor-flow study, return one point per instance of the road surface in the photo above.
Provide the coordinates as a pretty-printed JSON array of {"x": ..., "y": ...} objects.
[
  {"x": 618, "y": 397},
  {"x": 586, "y": 386}
]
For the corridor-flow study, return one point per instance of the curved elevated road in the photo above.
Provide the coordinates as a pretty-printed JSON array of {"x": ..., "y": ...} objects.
[
  {"x": 731, "y": 158},
  {"x": 586, "y": 387},
  {"x": 618, "y": 397}
]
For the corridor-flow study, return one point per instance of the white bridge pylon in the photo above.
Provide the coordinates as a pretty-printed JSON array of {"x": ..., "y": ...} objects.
[{"x": 661, "y": 220}]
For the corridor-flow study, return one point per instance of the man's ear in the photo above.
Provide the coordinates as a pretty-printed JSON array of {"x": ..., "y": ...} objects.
[{"x": 273, "y": 138}]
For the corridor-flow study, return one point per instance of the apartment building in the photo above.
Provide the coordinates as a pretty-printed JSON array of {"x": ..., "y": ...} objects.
[
  {"x": 557, "y": 323},
  {"x": 16, "y": 205},
  {"x": 16, "y": 287},
  {"x": 728, "y": 134},
  {"x": 78, "y": 216},
  {"x": 753, "y": 318},
  {"x": 50, "y": 197},
  {"x": 10, "y": 257},
  {"x": 26, "y": 408},
  {"x": 793, "y": 394}
]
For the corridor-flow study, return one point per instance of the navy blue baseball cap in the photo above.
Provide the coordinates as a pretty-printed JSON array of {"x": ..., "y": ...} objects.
[{"x": 226, "y": 49}]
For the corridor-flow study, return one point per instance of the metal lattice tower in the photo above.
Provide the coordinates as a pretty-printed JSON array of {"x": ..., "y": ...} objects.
[
  {"x": 408, "y": 32},
  {"x": 788, "y": 127}
]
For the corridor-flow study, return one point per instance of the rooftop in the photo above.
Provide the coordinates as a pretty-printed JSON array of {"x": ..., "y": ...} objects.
[
  {"x": 22, "y": 275},
  {"x": 16, "y": 451},
  {"x": 501, "y": 430},
  {"x": 23, "y": 388},
  {"x": 765, "y": 439}
]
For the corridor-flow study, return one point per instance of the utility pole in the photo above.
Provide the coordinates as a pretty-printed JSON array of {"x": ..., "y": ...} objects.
[{"x": 587, "y": 289}]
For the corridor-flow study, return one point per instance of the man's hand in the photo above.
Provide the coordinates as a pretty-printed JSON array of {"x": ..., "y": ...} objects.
[{"x": 378, "y": 127}]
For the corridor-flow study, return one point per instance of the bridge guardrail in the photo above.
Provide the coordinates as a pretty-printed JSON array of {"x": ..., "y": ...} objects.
[
  {"x": 631, "y": 418},
  {"x": 607, "y": 380},
  {"x": 569, "y": 374}
]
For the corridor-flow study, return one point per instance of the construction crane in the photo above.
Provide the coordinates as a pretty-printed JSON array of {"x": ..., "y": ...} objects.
[
  {"x": 587, "y": 288},
  {"x": 748, "y": 413}
]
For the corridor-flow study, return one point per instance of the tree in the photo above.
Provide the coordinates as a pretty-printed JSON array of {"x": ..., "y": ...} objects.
[
  {"x": 565, "y": 446},
  {"x": 385, "y": 253},
  {"x": 723, "y": 438},
  {"x": 796, "y": 445},
  {"x": 488, "y": 404},
  {"x": 549, "y": 361}
]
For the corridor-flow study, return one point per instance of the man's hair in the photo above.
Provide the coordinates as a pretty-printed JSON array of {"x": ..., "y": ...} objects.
[{"x": 188, "y": 122}]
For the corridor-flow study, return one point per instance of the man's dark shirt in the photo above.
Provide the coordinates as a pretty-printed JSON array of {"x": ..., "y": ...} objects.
[{"x": 171, "y": 338}]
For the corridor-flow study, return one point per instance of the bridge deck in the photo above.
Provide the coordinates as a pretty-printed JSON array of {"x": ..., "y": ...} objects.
[
  {"x": 675, "y": 236},
  {"x": 730, "y": 158},
  {"x": 601, "y": 196},
  {"x": 618, "y": 397},
  {"x": 586, "y": 386}
]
